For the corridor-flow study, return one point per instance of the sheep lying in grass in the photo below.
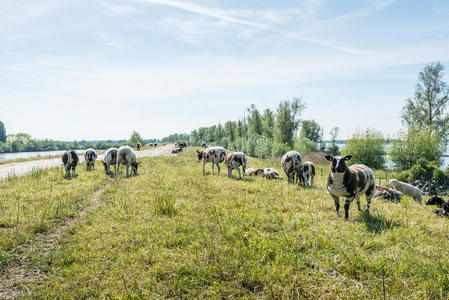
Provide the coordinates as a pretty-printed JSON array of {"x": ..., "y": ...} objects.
[
  {"x": 176, "y": 150},
  {"x": 270, "y": 173},
  {"x": 388, "y": 194},
  {"x": 127, "y": 156},
  {"x": 406, "y": 189},
  {"x": 254, "y": 172},
  {"x": 443, "y": 205}
]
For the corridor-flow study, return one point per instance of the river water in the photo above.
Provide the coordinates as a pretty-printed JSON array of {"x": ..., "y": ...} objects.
[{"x": 17, "y": 155}]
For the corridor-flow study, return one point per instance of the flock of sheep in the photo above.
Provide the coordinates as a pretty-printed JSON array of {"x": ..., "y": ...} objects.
[{"x": 349, "y": 182}]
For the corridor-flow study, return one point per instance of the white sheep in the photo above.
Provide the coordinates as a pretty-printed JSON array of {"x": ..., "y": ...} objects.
[
  {"x": 127, "y": 156},
  {"x": 406, "y": 189}
]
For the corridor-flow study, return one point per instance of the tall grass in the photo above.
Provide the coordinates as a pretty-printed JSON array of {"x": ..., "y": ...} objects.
[{"x": 172, "y": 232}]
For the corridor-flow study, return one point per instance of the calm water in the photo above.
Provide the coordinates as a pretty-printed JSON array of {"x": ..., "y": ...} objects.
[{"x": 17, "y": 155}]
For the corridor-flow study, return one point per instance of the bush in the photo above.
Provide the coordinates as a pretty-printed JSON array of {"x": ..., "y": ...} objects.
[
  {"x": 366, "y": 148},
  {"x": 264, "y": 146},
  {"x": 417, "y": 172},
  {"x": 305, "y": 145},
  {"x": 403, "y": 176},
  {"x": 333, "y": 149},
  {"x": 279, "y": 149},
  {"x": 417, "y": 147},
  {"x": 438, "y": 176}
]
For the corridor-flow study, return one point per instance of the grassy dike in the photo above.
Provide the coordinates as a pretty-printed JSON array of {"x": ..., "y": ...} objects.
[{"x": 172, "y": 232}]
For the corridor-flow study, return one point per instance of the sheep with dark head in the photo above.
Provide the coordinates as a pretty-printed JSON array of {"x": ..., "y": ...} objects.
[
  {"x": 70, "y": 161},
  {"x": 90, "y": 157},
  {"x": 110, "y": 159}
]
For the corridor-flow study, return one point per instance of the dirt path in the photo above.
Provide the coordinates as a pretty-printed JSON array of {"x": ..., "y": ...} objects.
[
  {"x": 26, "y": 167},
  {"x": 24, "y": 271}
]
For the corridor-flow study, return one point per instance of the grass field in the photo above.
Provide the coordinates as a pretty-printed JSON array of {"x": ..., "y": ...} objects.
[{"x": 172, "y": 232}]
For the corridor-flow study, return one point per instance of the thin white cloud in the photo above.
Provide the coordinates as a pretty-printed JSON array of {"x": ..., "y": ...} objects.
[
  {"x": 228, "y": 17},
  {"x": 383, "y": 4},
  {"x": 119, "y": 10}
]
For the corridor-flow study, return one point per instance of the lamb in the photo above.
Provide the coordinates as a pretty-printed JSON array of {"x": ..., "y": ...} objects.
[
  {"x": 90, "y": 157},
  {"x": 70, "y": 160},
  {"x": 182, "y": 144},
  {"x": 291, "y": 162},
  {"x": 406, "y": 189},
  {"x": 388, "y": 194},
  {"x": 138, "y": 146},
  {"x": 203, "y": 144},
  {"x": 215, "y": 155},
  {"x": 127, "y": 156},
  {"x": 350, "y": 182},
  {"x": 306, "y": 172},
  {"x": 110, "y": 159},
  {"x": 253, "y": 172},
  {"x": 270, "y": 173},
  {"x": 176, "y": 150},
  {"x": 234, "y": 160}
]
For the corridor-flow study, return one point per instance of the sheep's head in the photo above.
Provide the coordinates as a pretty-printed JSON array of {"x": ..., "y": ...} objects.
[
  {"x": 200, "y": 155},
  {"x": 338, "y": 163},
  {"x": 134, "y": 167}
]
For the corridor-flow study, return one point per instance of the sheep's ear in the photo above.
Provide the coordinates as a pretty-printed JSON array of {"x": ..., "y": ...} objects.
[
  {"x": 197, "y": 151},
  {"x": 329, "y": 158},
  {"x": 348, "y": 157}
]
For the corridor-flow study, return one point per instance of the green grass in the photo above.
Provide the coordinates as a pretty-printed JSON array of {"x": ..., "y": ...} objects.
[{"x": 172, "y": 232}]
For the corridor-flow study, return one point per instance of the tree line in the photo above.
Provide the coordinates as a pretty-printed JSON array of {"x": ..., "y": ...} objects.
[
  {"x": 417, "y": 148},
  {"x": 23, "y": 142}
]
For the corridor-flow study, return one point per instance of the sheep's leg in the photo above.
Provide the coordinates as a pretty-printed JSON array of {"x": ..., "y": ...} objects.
[
  {"x": 87, "y": 165},
  {"x": 357, "y": 199},
  {"x": 213, "y": 168},
  {"x": 218, "y": 168},
  {"x": 240, "y": 174},
  {"x": 127, "y": 171},
  {"x": 243, "y": 173},
  {"x": 73, "y": 172},
  {"x": 337, "y": 204},
  {"x": 347, "y": 203},
  {"x": 229, "y": 172},
  {"x": 368, "y": 202},
  {"x": 305, "y": 178},
  {"x": 67, "y": 171}
]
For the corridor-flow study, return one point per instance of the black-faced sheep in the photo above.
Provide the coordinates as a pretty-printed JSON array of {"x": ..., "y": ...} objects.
[
  {"x": 127, "y": 156},
  {"x": 90, "y": 157},
  {"x": 110, "y": 159},
  {"x": 234, "y": 160},
  {"x": 70, "y": 160}
]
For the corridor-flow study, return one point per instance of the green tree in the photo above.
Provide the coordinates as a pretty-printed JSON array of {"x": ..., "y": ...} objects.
[
  {"x": 2, "y": 132},
  {"x": 366, "y": 148},
  {"x": 135, "y": 137},
  {"x": 311, "y": 130},
  {"x": 254, "y": 120},
  {"x": 287, "y": 121},
  {"x": 415, "y": 146},
  {"x": 268, "y": 122},
  {"x": 427, "y": 109}
]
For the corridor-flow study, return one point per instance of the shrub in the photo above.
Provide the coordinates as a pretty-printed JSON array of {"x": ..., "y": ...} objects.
[
  {"x": 280, "y": 149},
  {"x": 333, "y": 149},
  {"x": 305, "y": 145},
  {"x": 403, "y": 176},
  {"x": 438, "y": 176},
  {"x": 366, "y": 148},
  {"x": 417, "y": 172},
  {"x": 417, "y": 146}
]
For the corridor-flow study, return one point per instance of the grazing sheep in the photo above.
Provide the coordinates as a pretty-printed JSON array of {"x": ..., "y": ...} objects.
[
  {"x": 306, "y": 172},
  {"x": 138, "y": 146},
  {"x": 182, "y": 144},
  {"x": 234, "y": 160},
  {"x": 388, "y": 194},
  {"x": 443, "y": 205},
  {"x": 270, "y": 173},
  {"x": 70, "y": 160},
  {"x": 155, "y": 145},
  {"x": 110, "y": 159},
  {"x": 291, "y": 162},
  {"x": 90, "y": 157},
  {"x": 350, "y": 182},
  {"x": 203, "y": 144},
  {"x": 406, "y": 189},
  {"x": 253, "y": 172},
  {"x": 215, "y": 155},
  {"x": 126, "y": 156}
]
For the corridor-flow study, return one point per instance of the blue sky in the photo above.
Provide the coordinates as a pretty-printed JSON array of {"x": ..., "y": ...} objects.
[{"x": 100, "y": 69}]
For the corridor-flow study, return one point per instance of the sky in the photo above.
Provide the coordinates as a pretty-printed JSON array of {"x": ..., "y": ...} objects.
[{"x": 81, "y": 69}]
